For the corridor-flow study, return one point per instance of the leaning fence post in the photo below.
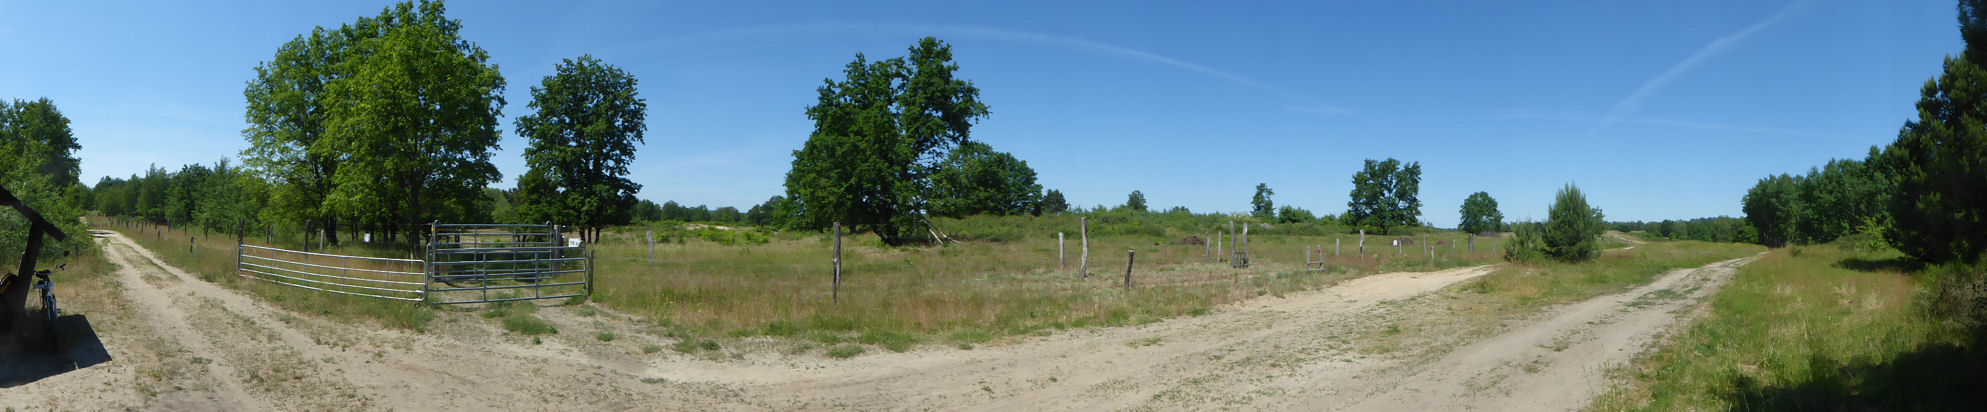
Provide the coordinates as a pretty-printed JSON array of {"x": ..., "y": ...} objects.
[
  {"x": 836, "y": 293},
  {"x": 1083, "y": 229},
  {"x": 1130, "y": 256}
]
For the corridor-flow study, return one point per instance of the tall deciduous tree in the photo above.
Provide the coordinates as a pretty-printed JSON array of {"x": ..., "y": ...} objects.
[
  {"x": 1480, "y": 214},
  {"x": 1260, "y": 205},
  {"x": 286, "y": 121},
  {"x": 878, "y": 134},
  {"x": 974, "y": 179},
  {"x": 589, "y": 120},
  {"x": 37, "y": 164},
  {"x": 417, "y": 116},
  {"x": 1385, "y": 195}
]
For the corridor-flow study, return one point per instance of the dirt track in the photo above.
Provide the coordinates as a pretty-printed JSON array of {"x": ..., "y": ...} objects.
[{"x": 198, "y": 346}]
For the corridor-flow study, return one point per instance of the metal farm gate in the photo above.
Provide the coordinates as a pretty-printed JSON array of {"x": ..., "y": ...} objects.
[
  {"x": 476, "y": 263},
  {"x": 463, "y": 263}
]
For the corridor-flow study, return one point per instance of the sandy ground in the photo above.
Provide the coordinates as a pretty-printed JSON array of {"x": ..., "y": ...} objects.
[{"x": 193, "y": 345}]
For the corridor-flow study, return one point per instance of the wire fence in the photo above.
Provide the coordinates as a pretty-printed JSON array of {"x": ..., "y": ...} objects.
[{"x": 383, "y": 278}]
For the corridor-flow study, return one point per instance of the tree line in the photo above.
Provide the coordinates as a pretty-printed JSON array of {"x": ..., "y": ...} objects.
[{"x": 1922, "y": 193}]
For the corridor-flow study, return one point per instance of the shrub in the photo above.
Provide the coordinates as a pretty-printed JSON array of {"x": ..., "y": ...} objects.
[{"x": 1572, "y": 228}]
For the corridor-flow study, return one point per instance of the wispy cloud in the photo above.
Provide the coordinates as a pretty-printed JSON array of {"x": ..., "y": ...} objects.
[
  {"x": 1305, "y": 103},
  {"x": 1627, "y": 107}
]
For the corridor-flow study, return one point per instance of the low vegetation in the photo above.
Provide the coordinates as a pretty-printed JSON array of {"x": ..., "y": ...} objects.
[
  {"x": 1815, "y": 327},
  {"x": 988, "y": 287}
]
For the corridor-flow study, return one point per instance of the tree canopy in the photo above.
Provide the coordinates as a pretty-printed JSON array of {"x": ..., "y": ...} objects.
[
  {"x": 1053, "y": 202},
  {"x": 974, "y": 179},
  {"x": 38, "y": 164},
  {"x": 878, "y": 134},
  {"x": 1480, "y": 214},
  {"x": 1939, "y": 212},
  {"x": 391, "y": 118},
  {"x": 1136, "y": 201},
  {"x": 1260, "y": 205},
  {"x": 1384, "y": 195},
  {"x": 588, "y": 122}
]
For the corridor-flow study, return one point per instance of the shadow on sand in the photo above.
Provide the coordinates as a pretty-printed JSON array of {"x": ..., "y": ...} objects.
[{"x": 24, "y": 359}]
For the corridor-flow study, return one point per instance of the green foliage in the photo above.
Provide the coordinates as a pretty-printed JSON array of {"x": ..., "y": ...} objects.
[
  {"x": 1135, "y": 202},
  {"x": 1384, "y": 195},
  {"x": 877, "y": 134},
  {"x": 1825, "y": 204},
  {"x": 582, "y": 138},
  {"x": 974, "y": 179},
  {"x": 1572, "y": 228},
  {"x": 1571, "y": 232},
  {"x": 1292, "y": 214},
  {"x": 38, "y": 164},
  {"x": 1480, "y": 214},
  {"x": 1053, "y": 203},
  {"x": 1722, "y": 229},
  {"x": 391, "y": 118},
  {"x": 1260, "y": 205},
  {"x": 1940, "y": 209}
]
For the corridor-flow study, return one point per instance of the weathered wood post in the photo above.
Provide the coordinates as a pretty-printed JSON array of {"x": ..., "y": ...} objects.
[
  {"x": 1472, "y": 243},
  {"x": 1220, "y": 254},
  {"x": 836, "y": 294},
  {"x": 1335, "y": 247},
  {"x": 1362, "y": 243},
  {"x": 1083, "y": 229},
  {"x": 189, "y": 244},
  {"x": 1245, "y": 243},
  {"x": 651, "y": 247},
  {"x": 1062, "y": 255},
  {"x": 1130, "y": 255},
  {"x": 1207, "y": 249}
]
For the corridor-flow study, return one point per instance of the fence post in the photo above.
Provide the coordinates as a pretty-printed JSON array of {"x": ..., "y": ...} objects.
[
  {"x": 1472, "y": 243},
  {"x": 1335, "y": 246},
  {"x": 1220, "y": 254},
  {"x": 1130, "y": 256},
  {"x": 189, "y": 245},
  {"x": 1206, "y": 248},
  {"x": 428, "y": 262},
  {"x": 1362, "y": 243},
  {"x": 1062, "y": 253},
  {"x": 836, "y": 292},
  {"x": 589, "y": 273},
  {"x": 1083, "y": 266},
  {"x": 1245, "y": 243},
  {"x": 651, "y": 247}
]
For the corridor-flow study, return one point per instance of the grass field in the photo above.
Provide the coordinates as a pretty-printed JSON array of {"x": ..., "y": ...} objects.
[
  {"x": 1812, "y": 328},
  {"x": 1005, "y": 281}
]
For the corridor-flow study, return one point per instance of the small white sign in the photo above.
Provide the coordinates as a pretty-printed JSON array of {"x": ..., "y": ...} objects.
[
  {"x": 369, "y": 238},
  {"x": 572, "y": 242},
  {"x": 1397, "y": 242}
]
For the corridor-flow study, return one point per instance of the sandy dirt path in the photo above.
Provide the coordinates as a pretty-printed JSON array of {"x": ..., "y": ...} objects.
[{"x": 199, "y": 346}]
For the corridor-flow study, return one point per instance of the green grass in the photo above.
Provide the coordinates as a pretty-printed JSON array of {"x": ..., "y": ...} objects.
[
  {"x": 1812, "y": 328},
  {"x": 997, "y": 284},
  {"x": 1539, "y": 284},
  {"x": 844, "y": 351},
  {"x": 212, "y": 259}
]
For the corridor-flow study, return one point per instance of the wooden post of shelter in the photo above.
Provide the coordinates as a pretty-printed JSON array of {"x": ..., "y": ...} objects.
[{"x": 14, "y": 301}]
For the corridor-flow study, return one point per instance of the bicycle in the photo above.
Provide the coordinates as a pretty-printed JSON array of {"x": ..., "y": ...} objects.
[{"x": 48, "y": 309}]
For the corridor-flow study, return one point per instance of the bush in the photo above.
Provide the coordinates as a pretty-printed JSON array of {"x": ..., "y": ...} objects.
[
  {"x": 1957, "y": 293},
  {"x": 1572, "y": 228},
  {"x": 1527, "y": 245}
]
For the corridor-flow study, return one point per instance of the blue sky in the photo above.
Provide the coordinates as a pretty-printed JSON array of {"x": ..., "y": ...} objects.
[{"x": 1658, "y": 110}]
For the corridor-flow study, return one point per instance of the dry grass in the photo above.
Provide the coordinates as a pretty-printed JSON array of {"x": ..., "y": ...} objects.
[
  {"x": 212, "y": 258},
  {"x": 972, "y": 292}
]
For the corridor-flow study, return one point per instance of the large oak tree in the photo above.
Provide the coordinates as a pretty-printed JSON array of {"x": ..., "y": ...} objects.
[{"x": 589, "y": 120}]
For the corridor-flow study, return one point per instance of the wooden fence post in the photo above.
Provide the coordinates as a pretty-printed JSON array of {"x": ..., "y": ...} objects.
[
  {"x": 1220, "y": 254},
  {"x": 1245, "y": 243},
  {"x": 1062, "y": 253},
  {"x": 1335, "y": 247},
  {"x": 1083, "y": 229},
  {"x": 837, "y": 292},
  {"x": 1207, "y": 249},
  {"x": 1130, "y": 255},
  {"x": 651, "y": 247}
]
